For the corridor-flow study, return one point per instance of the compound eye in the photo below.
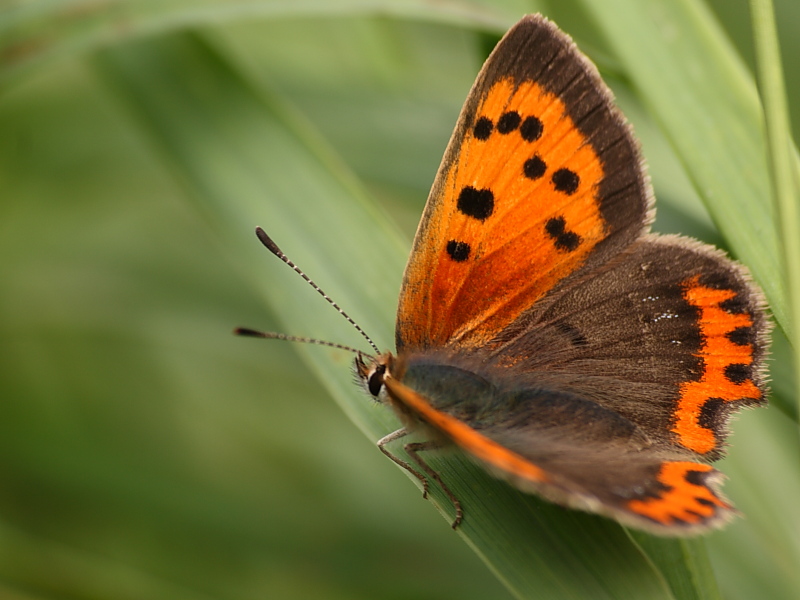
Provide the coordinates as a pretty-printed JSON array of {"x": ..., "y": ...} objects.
[{"x": 375, "y": 381}]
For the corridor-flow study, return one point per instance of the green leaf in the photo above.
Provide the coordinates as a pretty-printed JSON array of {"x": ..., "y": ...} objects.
[
  {"x": 782, "y": 154},
  {"x": 33, "y": 33},
  {"x": 684, "y": 564}
]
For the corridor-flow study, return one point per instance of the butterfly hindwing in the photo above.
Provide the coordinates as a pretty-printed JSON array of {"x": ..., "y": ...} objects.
[
  {"x": 541, "y": 179},
  {"x": 672, "y": 338}
]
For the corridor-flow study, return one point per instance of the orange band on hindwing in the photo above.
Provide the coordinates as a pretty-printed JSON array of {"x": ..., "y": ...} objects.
[
  {"x": 726, "y": 366},
  {"x": 685, "y": 497}
]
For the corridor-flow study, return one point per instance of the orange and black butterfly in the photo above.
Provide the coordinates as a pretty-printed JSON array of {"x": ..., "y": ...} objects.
[{"x": 544, "y": 331}]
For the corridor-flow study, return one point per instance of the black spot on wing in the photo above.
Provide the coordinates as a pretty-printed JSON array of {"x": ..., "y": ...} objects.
[
  {"x": 576, "y": 338},
  {"x": 742, "y": 336},
  {"x": 566, "y": 181},
  {"x": 534, "y": 168},
  {"x": 737, "y": 373},
  {"x": 531, "y": 129},
  {"x": 458, "y": 251},
  {"x": 483, "y": 128},
  {"x": 696, "y": 477},
  {"x": 508, "y": 122},
  {"x": 475, "y": 203},
  {"x": 711, "y": 414},
  {"x": 564, "y": 240}
]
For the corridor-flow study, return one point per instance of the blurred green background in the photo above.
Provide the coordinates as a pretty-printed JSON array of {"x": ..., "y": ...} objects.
[{"x": 145, "y": 452}]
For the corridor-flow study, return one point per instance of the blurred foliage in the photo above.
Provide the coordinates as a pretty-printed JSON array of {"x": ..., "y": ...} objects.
[{"x": 145, "y": 452}]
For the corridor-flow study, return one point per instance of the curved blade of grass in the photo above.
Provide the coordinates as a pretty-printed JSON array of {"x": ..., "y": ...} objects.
[
  {"x": 74, "y": 573},
  {"x": 693, "y": 82},
  {"x": 685, "y": 565},
  {"x": 782, "y": 158},
  {"x": 246, "y": 161},
  {"x": 33, "y": 33}
]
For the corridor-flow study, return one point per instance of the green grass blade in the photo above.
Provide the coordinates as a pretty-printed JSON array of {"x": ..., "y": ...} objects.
[
  {"x": 33, "y": 33},
  {"x": 685, "y": 565},
  {"x": 782, "y": 156},
  {"x": 76, "y": 574},
  {"x": 245, "y": 160}
]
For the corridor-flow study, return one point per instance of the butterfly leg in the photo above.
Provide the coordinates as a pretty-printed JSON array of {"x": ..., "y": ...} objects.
[
  {"x": 412, "y": 450},
  {"x": 396, "y": 435}
]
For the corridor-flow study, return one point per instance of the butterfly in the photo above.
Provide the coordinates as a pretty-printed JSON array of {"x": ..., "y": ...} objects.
[{"x": 544, "y": 331}]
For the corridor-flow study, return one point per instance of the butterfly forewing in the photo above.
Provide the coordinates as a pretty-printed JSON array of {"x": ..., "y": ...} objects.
[{"x": 541, "y": 180}]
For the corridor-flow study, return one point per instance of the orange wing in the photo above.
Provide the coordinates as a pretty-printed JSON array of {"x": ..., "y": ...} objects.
[{"x": 541, "y": 180}]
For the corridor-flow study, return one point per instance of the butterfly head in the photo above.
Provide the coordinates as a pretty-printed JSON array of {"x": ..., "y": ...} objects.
[{"x": 372, "y": 371}]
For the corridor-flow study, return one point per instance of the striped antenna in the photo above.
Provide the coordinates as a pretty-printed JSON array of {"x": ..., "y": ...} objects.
[
  {"x": 271, "y": 335},
  {"x": 273, "y": 247}
]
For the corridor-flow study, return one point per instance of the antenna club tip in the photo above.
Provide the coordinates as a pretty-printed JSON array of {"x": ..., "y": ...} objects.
[
  {"x": 273, "y": 247},
  {"x": 244, "y": 331},
  {"x": 267, "y": 241}
]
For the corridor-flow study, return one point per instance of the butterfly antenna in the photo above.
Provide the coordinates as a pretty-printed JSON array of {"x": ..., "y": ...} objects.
[
  {"x": 271, "y": 335},
  {"x": 273, "y": 247}
]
